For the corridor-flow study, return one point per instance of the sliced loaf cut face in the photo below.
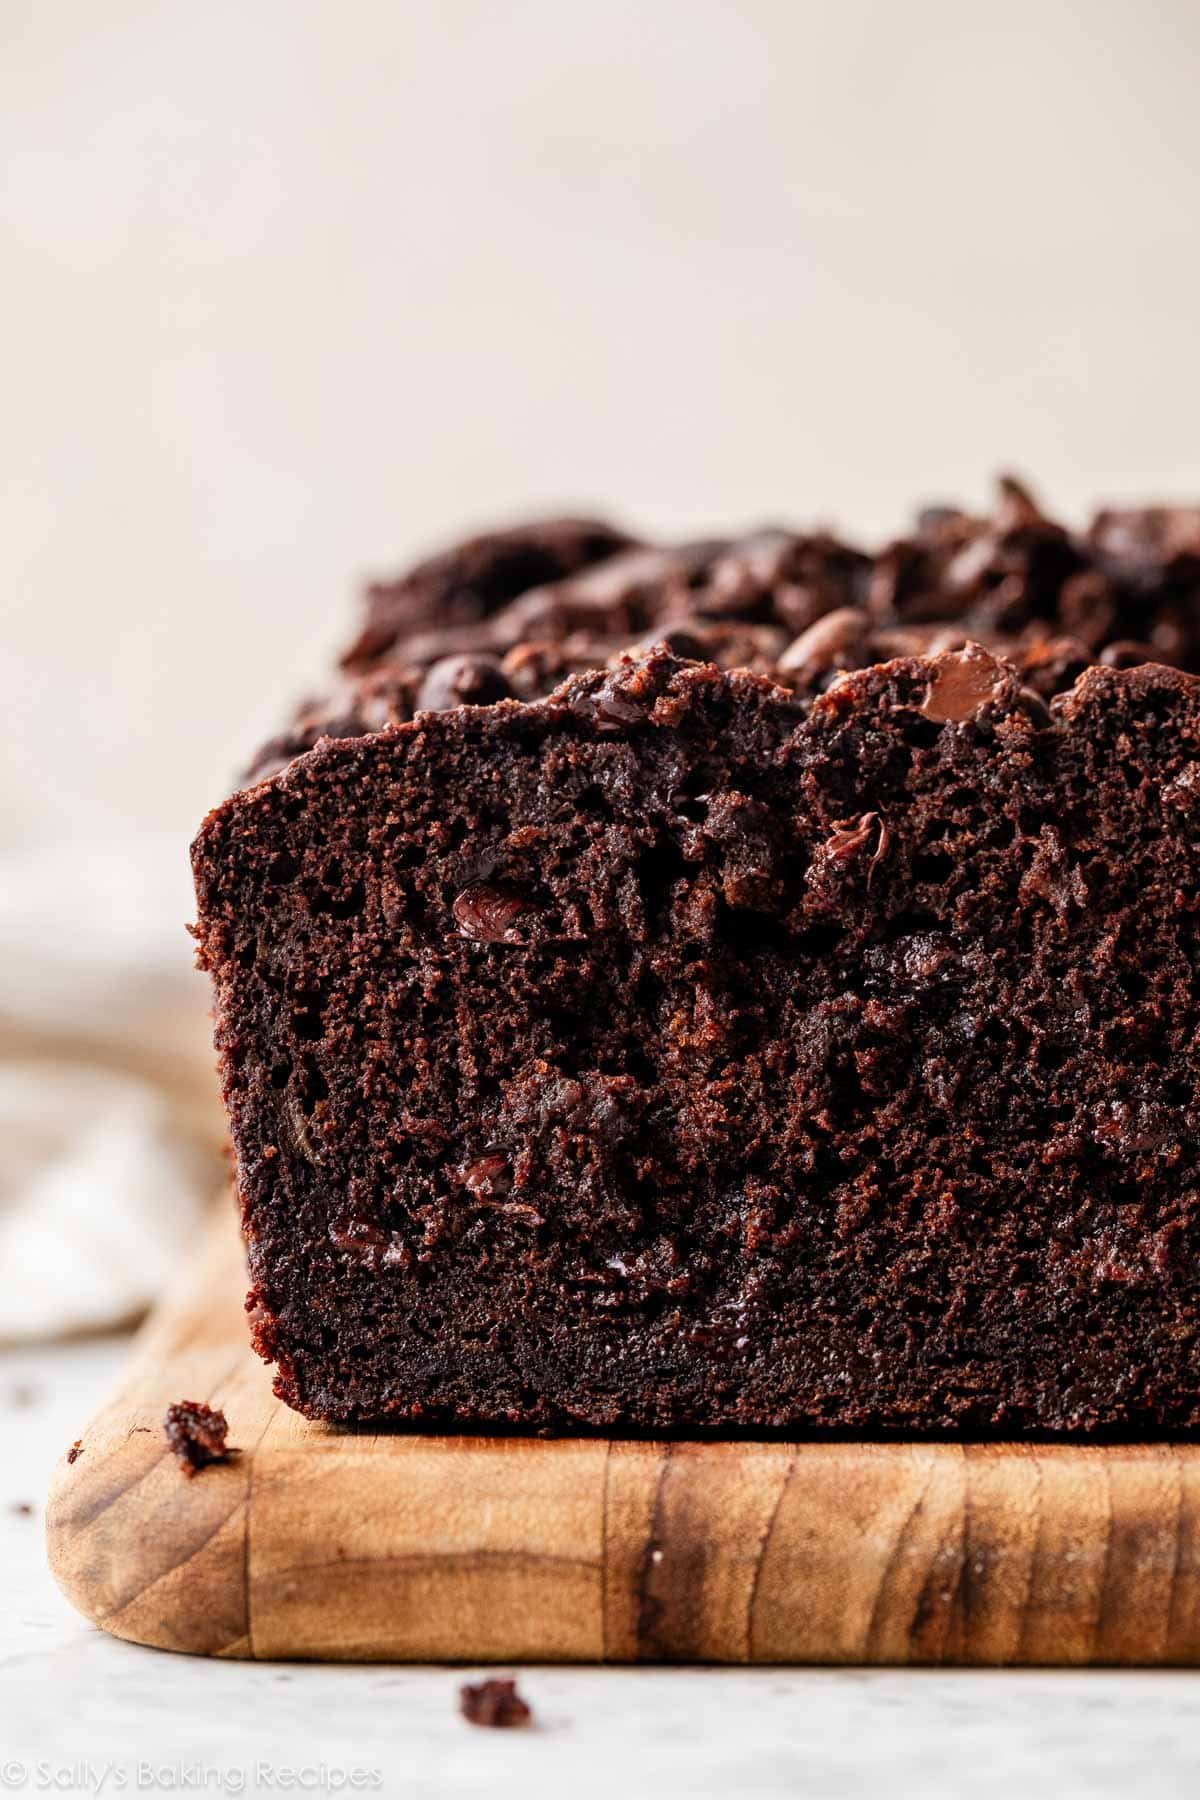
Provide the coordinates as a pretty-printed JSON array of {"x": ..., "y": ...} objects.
[{"x": 668, "y": 1055}]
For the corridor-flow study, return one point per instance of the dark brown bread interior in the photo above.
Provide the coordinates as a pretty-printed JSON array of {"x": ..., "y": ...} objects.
[{"x": 684, "y": 1052}]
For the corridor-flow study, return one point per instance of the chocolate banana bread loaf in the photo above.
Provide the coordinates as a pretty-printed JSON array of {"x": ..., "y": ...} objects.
[{"x": 749, "y": 986}]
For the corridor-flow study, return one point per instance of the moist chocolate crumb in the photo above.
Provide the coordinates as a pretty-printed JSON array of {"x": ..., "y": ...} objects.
[
  {"x": 494, "y": 1702},
  {"x": 76, "y": 1451},
  {"x": 196, "y": 1434}
]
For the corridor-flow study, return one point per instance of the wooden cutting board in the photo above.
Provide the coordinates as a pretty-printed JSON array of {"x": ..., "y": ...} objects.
[{"x": 314, "y": 1542}]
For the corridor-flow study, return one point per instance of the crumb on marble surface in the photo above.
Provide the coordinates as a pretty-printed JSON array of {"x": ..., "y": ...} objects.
[{"x": 494, "y": 1703}]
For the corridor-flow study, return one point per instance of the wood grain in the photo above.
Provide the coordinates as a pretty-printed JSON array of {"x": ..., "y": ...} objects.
[{"x": 372, "y": 1546}]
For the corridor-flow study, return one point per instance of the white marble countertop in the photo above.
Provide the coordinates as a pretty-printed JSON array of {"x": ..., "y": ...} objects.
[{"x": 81, "y": 1713}]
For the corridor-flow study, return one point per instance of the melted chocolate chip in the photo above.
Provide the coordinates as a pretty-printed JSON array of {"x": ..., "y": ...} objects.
[
  {"x": 614, "y": 705},
  {"x": 488, "y": 912},
  {"x": 369, "y": 1245},
  {"x": 488, "y": 1176},
  {"x": 960, "y": 683},
  {"x": 357, "y": 1236}
]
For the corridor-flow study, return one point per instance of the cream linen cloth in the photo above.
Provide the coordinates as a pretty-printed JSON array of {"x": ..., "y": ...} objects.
[{"x": 110, "y": 1126}]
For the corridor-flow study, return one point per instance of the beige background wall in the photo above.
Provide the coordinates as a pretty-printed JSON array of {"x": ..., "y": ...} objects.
[{"x": 291, "y": 288}]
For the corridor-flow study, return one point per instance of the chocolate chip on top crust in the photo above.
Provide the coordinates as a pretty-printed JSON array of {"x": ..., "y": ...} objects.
[{"x": 512, "y": 614}]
